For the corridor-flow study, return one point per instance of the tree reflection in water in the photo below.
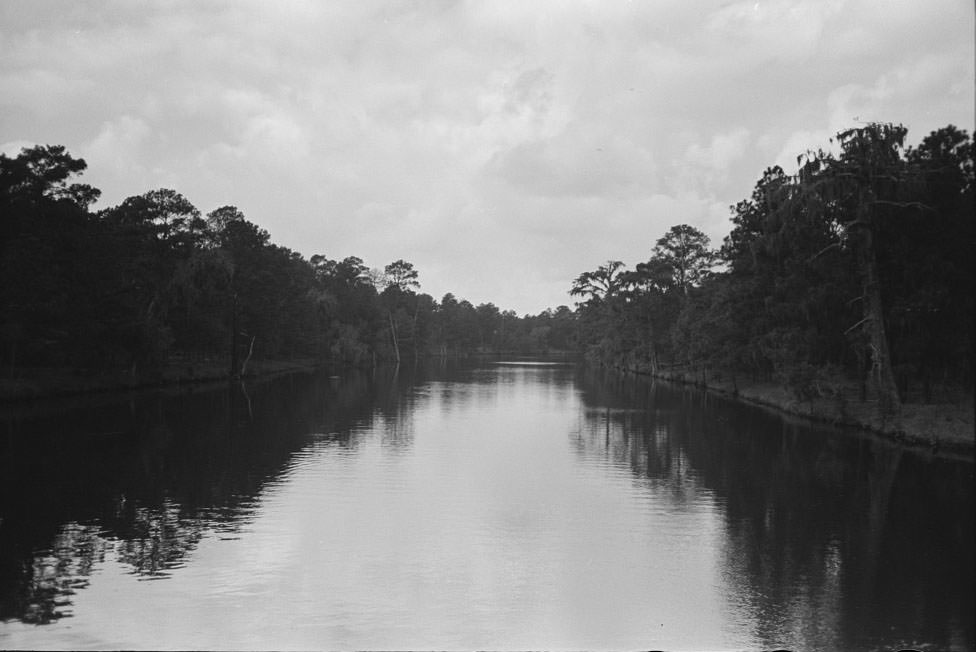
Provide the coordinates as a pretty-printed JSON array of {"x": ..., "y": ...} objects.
[
  {"x": 147, "y": 480},
  {"x": 832, "y": 540},
  {"x": 827, "y": 539},
  {"x": 56, "y": 574}
]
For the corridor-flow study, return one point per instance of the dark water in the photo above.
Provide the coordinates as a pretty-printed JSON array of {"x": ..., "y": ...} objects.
[{"x": 505, "y": 506}]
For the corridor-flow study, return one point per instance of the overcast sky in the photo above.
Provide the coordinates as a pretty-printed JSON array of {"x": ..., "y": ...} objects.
[{"x": 501, "y": 147}]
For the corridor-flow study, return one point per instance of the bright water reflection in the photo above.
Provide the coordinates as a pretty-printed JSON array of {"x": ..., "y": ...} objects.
[{"x": 505, "y": 506}]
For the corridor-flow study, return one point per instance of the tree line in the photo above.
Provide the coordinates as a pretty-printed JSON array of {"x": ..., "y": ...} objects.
[
  {"x": 153, "y": 281},
  {"x": 858, "y": 268}
]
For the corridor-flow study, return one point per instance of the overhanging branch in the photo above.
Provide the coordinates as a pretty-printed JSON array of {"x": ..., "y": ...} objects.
[{"x": 856, "y": 325}]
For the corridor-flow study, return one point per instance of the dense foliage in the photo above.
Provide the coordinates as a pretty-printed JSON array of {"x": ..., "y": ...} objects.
[
  {"x": 858, "y": 267},
  {"x": 152, "y": 281}
]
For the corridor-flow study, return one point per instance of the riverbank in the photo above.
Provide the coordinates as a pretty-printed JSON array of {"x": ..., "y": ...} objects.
[
  {"x": 44, "y": 382},
  {"x": 948, "y": 426},
  {"x": 33, "y": 383}
]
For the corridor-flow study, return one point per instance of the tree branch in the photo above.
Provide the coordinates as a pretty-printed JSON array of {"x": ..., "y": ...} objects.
[
  {"x": 856, "y": 325},
  {"x": 833, "y": 245},
  {"x": 904, "y": 204}
]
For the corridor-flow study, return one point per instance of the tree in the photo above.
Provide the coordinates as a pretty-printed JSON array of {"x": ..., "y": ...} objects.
[
  {"x": 356, "y": 323},
  {"x": 652, "y": 307},
  {"x": 47, "y": 256},
  {"x": 788, "y": 289},
  {"x": 601, "y": 284},
  {"x": 868, "y": 178},
  {"x": 925, "y": 258},
  {"x": 742, "y": 248},
  {"x": 166, "y": 213},
  {"x": 601, "y": 314},
  {"x": 43, "y": 171},
  {"x": 686, "y": 250},
  {"x": 400, "y": 279},
  {"x": 350, "y": 271},
  {"x": 402, "y": 275},
  {"x": 157, "y": 234},
  {"x": 489, "y": 322},
  {"x": 563, "y": 334},
  {"x": 217, "y": 223}
]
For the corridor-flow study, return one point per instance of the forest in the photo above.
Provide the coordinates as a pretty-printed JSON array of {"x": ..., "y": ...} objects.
[
  {"x": 856, "y": 269},
  {"x": 153, "y": 282},
  {"x": 854, "y": 275}
]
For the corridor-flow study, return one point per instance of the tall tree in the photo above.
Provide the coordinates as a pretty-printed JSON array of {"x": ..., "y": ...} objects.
[
  {"x": 47, "y": 249},
  {"x": 868, "y": 179},
  {"x": 652, "y": 307},
  {"x": 601, "y": 284},
  {"x": 926, "y": 258},
  {"x": 42, "y": 172},
  {"x": 401, "y": 275},
  {"x": 686, "y": 250},
  {"x": 167, "y": 213}
]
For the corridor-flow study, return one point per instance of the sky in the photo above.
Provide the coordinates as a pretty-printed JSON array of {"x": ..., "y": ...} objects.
[{"x": 502, "y": 147}]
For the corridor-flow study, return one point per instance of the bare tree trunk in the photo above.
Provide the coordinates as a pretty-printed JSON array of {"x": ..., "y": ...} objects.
[
  {"x": 651, "y": 347},
  {"x": 393, "y": 333},
  {"x": 248, "y": 358},
  {"x": 234, "y": 343},
  {"x": 881, "y": 375},
  {"x": 416, "y": 339}
]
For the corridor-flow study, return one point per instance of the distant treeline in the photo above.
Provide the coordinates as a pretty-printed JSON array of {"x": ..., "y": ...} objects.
[
  {"x": 152, "y": 281},
  {"x": 859, "y": 267}
]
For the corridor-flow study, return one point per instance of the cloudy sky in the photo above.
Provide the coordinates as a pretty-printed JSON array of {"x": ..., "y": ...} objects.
[{"x": 502, "y": 147}]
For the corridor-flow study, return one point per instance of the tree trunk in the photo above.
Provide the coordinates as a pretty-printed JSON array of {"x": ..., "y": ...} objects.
[
  {"x": 248, "y": 358},
  {"x": 881, "y": 375},
  {"x": 234, "y": 344},
  {"x": 651, "y": 347},
  {"x": 393, "y": 333},
  {"x": 416, "y": 340}
]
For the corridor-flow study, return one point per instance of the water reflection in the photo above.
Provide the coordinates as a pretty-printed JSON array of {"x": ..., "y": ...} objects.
[
  {"x": 147, "y": 479},
  {"x": 499, "y": 506},
  {"x": 833, "y": 541}
]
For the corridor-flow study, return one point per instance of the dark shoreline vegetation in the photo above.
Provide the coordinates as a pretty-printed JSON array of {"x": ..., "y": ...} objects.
[{"x": 843, "y": 293}]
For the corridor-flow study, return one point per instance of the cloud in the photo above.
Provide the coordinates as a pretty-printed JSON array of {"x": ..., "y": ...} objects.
[
  {"x": 722, "y": 152},
  {"x": 579, "y": 162},
  {"x": 502, "y": 147},
  {"x": 705, "y": 169},
  {"x": 782, "y": 29},
  {"x": 933, "y": 75},
  {"x": 117, "y": 153},
  {"x": 898, "y": 88}
]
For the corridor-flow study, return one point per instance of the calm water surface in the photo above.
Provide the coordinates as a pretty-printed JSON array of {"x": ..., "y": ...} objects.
[{"x": 503, "y": 506}]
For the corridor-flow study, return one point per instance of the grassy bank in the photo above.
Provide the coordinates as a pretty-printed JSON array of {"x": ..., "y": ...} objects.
[
  {"x": 46, "y": 382},
  {"x": 946, "y": 425}
]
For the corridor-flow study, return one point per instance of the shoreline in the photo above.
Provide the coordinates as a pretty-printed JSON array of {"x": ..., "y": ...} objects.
[
  {"x": 47, "y": 383},
  {"x": 59, "y": 383},
  {"x": 943, "y": 427},
  {"x": 947, "y": 427}
]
